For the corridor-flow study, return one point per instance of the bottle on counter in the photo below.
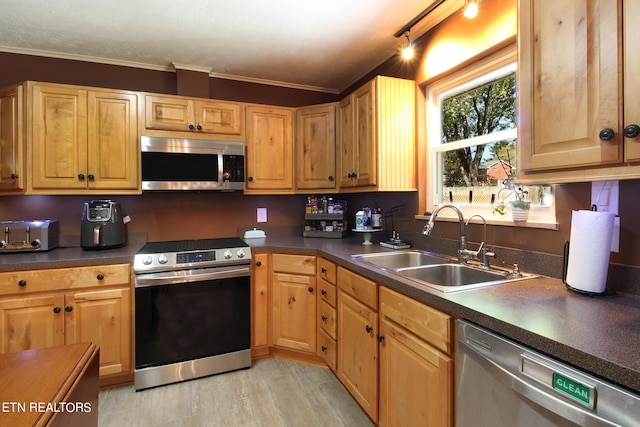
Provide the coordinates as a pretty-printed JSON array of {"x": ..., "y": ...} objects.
[
  {"x": 307, "y": 208},
  {"x": 376, "y": 217}
]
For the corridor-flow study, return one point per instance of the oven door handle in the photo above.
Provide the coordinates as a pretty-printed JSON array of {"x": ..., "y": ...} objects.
[{"x": 188, "y": 276}]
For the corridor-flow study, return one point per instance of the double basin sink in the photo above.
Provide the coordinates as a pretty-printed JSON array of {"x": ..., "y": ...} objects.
[{"x": 437, "y": 272}]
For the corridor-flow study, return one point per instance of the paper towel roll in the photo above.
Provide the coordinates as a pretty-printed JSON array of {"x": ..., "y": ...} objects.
[{"x": 590, "y": 241}]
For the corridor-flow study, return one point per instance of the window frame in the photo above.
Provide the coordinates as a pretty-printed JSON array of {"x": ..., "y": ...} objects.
[{"x": 487, "y": 69}]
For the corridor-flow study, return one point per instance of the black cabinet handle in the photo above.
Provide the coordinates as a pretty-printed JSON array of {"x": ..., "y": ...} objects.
[
  {"x": 324, "y": 318},
  {"x": 56, "y": 310},
  {"x": 368, "y": 329},
  {"x": 324, "y": 348},
  {"x": 323, "y": 292},
  {"x": 22, "y": 283},
  {"x": 258, "y": 264},
  {"x": 331, "y": 178},
  {"x": 100, "y": 277},
  {"x": 14, "y": 176},
  {"x": 199, "y": 128},
  {"x": 68, "y": 309},
  {"x": 81, "y": 176},
  {"x": 380, "y": 338},
  {"x": 607, "y": 134},
  {"x": 191, "y": 127},
  {"x": 311, "y": 289},
  {"x": 632, "y": 131},
  {"x": 91, "y": 177},
  {"x": 250, "y": 179},
  {"x": 324, "y": 270}
]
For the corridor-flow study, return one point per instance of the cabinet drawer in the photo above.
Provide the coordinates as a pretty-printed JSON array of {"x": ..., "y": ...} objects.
[
  {"x": 359, "y": 287},
  {"x": 327, "y": 270},
  {"x": 327, "y": 318},
  {"x": 328, "y": 292},
  {"x": 426, "y": 322},
  {"x": 16, "y": 282},
  {"x": 327, "y": 349},
  {"x": 300, "y": 264}
]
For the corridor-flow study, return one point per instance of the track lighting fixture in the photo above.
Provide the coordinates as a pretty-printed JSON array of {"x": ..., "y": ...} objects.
[
  {"x": 470, "y": 8},
  {"x": 407, "y": 50}
]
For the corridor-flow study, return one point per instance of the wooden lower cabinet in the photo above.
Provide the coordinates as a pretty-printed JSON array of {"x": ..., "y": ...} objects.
[
  {"x": 294, "y": 311},
  {"x": 51, "y": 307},
  {"x": 260, "y": 305},
  {"x": 358, "y": 351}
]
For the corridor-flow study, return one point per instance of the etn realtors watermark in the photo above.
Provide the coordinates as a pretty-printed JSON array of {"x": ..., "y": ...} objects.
[{"x": 41, "y": 407}]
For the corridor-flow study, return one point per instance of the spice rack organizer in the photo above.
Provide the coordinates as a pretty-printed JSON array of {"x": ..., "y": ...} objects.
[{"x": 325, "y": 225}]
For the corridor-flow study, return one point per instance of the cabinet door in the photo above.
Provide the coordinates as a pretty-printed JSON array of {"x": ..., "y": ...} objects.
[
  {"x": 11, "y": 174},
  {"x": 346, "y": 142},
  {"x": 631, "y": 82},
  {"x": 59, "y": 137},
  {"x": 294, "y": 311},
  {"x": 569, "y": 83},
  {"x": 358, "y": 352},
  {"x": 416, "y": 381},
  {"x": 168, "y": 113},
  {"x": 224, "y": 118},
  {"x": 31, "y": 322},
  {"x": 104, "y": 318},
  {"x": 112, "y": 140},
  {"x": 316, "y": 148},
  {"x": 269, "y": 154},
  {"x": 260, "y": 301},
  {"x": 366, "y": 156}
]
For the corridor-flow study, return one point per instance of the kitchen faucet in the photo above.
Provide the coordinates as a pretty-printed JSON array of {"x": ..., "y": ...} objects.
[
  {"x": 462, "y": 245},
  {"x": 483, "y": 246}
]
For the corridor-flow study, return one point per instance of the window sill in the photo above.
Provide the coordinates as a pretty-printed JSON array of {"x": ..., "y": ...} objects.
[{"x": 494, "y": 221}]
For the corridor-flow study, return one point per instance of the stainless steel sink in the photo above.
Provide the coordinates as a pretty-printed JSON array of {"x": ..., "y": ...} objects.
[
  {"x": 437, "y": 272},
  {"x": 401, "y": 259}
]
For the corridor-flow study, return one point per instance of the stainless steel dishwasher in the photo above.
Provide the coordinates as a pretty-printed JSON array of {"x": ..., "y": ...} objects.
[{"x": 501, "y": 383}]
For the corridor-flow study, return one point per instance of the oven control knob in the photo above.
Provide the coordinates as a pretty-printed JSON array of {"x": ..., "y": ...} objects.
[
  {"x": 147, "y": 260},
  {"x": 240, "y": 253},
  {"x": 162, "y": 259},
  {"x": 227, "y": 254}
]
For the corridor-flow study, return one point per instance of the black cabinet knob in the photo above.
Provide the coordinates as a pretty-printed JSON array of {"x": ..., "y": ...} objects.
[
  {"x": 324, "y": 318},
  {"x": 22, "y": 283},
  {"x": 323, "y": 292},
  {"x": 368, "y": 329},
  {"x": 14, "y": 176},
  {"x": 632, "y": 131},
  {"x": 191, "y": 127},
  {"x": 324, "y": 270},
  {"x": 607, "y": 134},
  {"x": 331, "y": 178},
  {"x": 68, "y": 309},
  {"x": 258, "y": 264},
  {"x": 100, "y": 277},
  {"x": 380, "y": 338},
  {"x": 324, "y": 348},
  {"x": 311, "y": 289},
  {"x": 91, "y": 177},
  {"x": 199, "y": 128},
  {"x": 250, "y": 179},
  {"x": 81, "y": 176},
  {"x": 56, "y": 310}
]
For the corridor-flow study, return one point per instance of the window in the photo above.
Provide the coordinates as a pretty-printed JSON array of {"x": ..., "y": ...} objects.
[{"x": 472, "y": 144}]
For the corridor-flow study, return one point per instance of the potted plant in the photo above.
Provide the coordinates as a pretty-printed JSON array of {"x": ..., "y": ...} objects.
[{"x": 519, "y": 206}]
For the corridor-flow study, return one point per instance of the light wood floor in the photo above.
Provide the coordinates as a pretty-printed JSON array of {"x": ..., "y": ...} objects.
[{"x": 272, "y": 393}]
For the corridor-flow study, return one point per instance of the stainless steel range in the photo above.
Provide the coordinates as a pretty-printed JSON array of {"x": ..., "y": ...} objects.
[{"x": 192, "y": 300}]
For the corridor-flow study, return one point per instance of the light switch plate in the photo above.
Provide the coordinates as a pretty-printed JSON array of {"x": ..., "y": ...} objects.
[{"x": 262, "y": 214}]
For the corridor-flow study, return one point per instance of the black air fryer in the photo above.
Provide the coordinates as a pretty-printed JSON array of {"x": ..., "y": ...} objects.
[{"x": 102, "y": 225}]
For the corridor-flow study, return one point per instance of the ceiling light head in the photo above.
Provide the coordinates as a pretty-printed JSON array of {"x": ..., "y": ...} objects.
[
  {"x": 470, "y": 8},
  {"x": 407, "y": 50}
]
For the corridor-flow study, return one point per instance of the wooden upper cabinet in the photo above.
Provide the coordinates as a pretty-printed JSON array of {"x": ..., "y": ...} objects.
[
  {"x": 376, "y": 137},
  {"x": 82, "y": 140},
  {"x": 208, "y": 118},
  {"x": 570, "y": 87},
  {"x": 631, "y": 82},
  {"x": 316, "y": 148},
  {"x": 11, "y": 139},
  {"x": 269, "y": 150}
]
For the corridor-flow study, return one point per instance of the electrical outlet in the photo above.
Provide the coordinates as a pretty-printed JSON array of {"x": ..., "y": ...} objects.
[{"x": 262, "y": 214}]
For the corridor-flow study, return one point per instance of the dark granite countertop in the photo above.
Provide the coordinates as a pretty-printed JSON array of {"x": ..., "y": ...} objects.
[{"x": 600, "y": 335}]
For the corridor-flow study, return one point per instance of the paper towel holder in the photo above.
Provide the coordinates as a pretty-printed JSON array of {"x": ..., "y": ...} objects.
[{"x": 565, "y": 265}]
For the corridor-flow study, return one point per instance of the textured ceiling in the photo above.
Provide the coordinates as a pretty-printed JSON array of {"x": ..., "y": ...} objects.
[{"x": 323, "y": 45}]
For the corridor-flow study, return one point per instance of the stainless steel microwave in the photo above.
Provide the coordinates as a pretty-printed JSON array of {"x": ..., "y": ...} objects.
[{"x": 190, "y": 164}]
